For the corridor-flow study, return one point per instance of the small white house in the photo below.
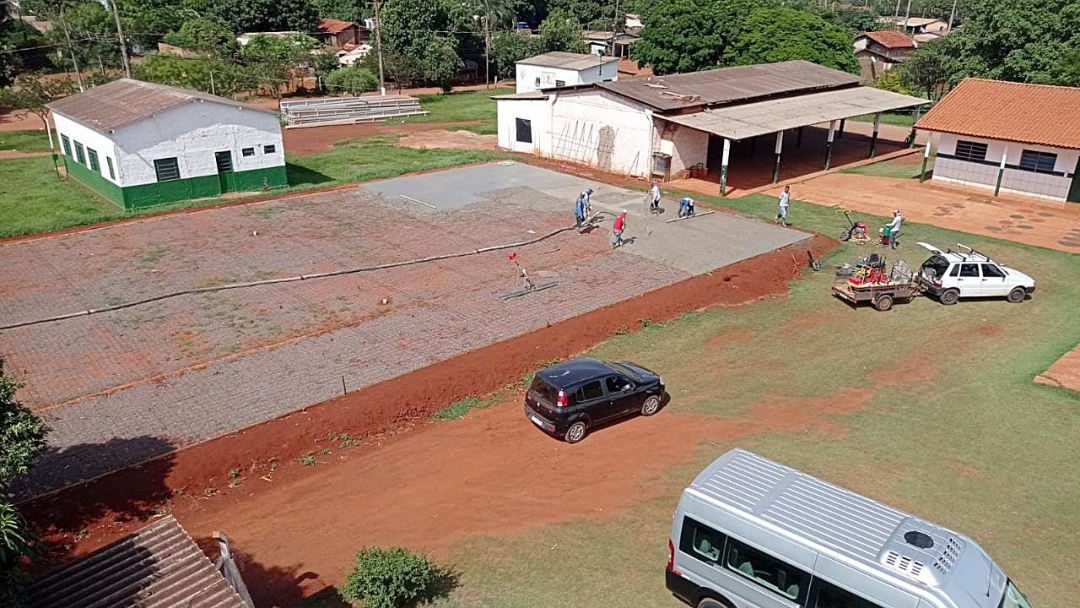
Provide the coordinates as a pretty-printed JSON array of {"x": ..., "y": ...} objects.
[
  {"x": 139, "y": 144},
  {"x": 558, "y": 69},
  {"x": 1009, "y": 137}
]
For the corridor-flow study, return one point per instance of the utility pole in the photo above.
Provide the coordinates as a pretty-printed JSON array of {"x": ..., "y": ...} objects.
[
  {"x": 71, "y": 51},
  {"x": 907, "y": 15},
  {"x": 487, "y": 51},
  {"x": 952, "y": 14},
  {"x": 614, "y": 27},
  {"x": 378, "y": 46},
  {"x": 120, "y": 35}
]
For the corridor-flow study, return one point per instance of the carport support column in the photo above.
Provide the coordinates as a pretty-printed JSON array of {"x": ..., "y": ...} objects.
[
  {"x": 873, "y": 138},
  {"x": 925, "y": 159},
  {"x": 779, "y": 147},
  {"x": 723, "y": 166},
  {"x": 918, "y": 113},
  {"x": 798, "y": 138},
  {"x": 828, "y": 144},
  {"x": 840, "y": 133},
  {"x": 1001, "y": 170}
]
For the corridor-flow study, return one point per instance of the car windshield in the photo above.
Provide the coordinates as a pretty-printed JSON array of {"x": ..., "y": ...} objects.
[
  {"x": 1013, "y": 598},
  {"x": 937, "y": 264},
  {"x": 627, "y": 371},
  {"x": 544, "y": 390}
]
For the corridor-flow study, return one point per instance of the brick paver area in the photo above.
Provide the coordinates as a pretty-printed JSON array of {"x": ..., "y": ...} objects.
[{"x": 195, "y": 367}]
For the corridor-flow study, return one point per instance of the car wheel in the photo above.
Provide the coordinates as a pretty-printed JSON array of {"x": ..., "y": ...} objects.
[
  {"x": 950, "y": 297},
  {"x": 1017, "y": 295},
  {"x": 651, "y": 405},
  {"x": 883, "y": 303},
  {"x": 576, "y": 432}
]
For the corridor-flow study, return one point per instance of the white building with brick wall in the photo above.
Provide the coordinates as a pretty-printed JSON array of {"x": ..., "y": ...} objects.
[
  {"x": 558, "y": 69},
  {"x": 668, "y": 127},
  {"x": 139, "y": 144},
  {"x": 1009, "y": 137}
]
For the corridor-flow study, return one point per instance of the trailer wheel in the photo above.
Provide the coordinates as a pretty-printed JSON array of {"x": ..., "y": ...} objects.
[
  {"x": 1017, "y": 295},
  {"x": 950, "y": 297},
  {"x": 883, "y": 303}
]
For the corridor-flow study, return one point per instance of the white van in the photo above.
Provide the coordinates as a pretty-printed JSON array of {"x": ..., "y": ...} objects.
[{"x": 751, "y": 533}]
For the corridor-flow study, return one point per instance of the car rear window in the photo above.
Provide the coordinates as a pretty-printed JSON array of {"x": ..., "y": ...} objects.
[
  {"x": 543, "y": 390},
  {"x": 937, "y": 264}
]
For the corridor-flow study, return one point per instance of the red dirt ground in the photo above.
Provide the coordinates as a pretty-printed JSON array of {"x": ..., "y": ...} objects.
[
  {"x": 321, "y": 139},
  {"x": 735, "y": 335},
  {"x": 117, "y": 503},
  {"x": 1065, "y": 372},
  {"x": 912, "y": 370}
]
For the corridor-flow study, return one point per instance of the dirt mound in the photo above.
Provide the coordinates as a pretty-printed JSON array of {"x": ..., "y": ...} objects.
[{"x": 457, "y": 140}]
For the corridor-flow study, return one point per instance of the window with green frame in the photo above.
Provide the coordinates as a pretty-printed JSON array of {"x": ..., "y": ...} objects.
[
  {"x": 66, "y": 143},
  {"x": 95, "y": 166},
  {"x": 80, "y": 157},
  {"x": 112, "y": 172}
]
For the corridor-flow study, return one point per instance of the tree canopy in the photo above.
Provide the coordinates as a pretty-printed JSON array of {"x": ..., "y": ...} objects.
[
  {"x": 207, "y": 35},
  {"x": 561, "y": 32},
  {"x": 265, "y": 15},
  {"x": 772, "y": 34}
]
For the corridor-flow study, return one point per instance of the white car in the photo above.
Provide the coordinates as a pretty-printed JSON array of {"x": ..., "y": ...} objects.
[{"x": 966, "y": 273}]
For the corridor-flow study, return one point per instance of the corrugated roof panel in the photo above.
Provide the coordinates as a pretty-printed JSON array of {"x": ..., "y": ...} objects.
[
  {"x": 744, "y": 481},
  {"x": 159, "y": 566},
  {"x": 569, "y": 61}
]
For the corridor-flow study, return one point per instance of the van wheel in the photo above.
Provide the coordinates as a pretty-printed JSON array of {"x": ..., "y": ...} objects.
[
  {"x": 576, "y": 432},
  {"x": 711, "y": 603},
  {"x": 651, "y": 406},
  {"x": 950, "y": 297},
  {"x": 1017, "y": 295}
]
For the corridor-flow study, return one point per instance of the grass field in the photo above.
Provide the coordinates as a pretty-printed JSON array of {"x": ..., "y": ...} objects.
[
  {"x": 936, "y": 413},
  {"x": 32, "y": 199},
  {"x": 904, "y": 119},
  {"x": 465, "y": 106},
  {"x": 24, "y": 141},
  {"x": 902, "y": 168}
]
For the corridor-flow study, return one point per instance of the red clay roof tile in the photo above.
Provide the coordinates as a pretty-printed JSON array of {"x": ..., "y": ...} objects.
[{"x": 892, "y": 39}]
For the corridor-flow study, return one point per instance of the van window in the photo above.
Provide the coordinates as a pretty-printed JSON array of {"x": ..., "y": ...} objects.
[
  {"x": 701, "y": 542},
  {"x": 831, "y": 596},
  {"x": 969, "y": 270},
  {"x": 767, "y": 571},
  {"x": 589, "y": 392}
]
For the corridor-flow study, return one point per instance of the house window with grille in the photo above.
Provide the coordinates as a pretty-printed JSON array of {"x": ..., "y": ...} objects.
[
  {"x": 167, "y": 169},
  {"x": 970, "y": 150},
  {"x": 66, "y": 143},
  {"x": 1039, "y": 162},
  {"x": 95, "y": 166},
  {"x": 80, "y": 156}
]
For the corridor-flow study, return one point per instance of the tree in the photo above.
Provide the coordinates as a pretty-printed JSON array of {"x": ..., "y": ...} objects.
[
  {"x": 561, "y": 32},
  {"x": 346, "y": 10},
  {"x": 146, "y": 21},
  {"x": 22, "y": 440},
  {"x": 856, "y": 20},
  {"x": 94, "y": 27},
  {"x": 205, "y": 74},
  {"x": 689, "y": 35},
  {"x": 272, "y": 59},
  {"x": 266, "y": 15},
  {"x": 352, "y": 80},
  {"x": 30, "y": 93},
  {"x": 508, "y": 48},
  {"x": 419, "y": 36},
  {"x": 922, "y": 72},
  {"x": 206, "y": 35},
  {"x": 1067, "y": 71},
  {"x": 769, "y": 35},
  {"x": 493, "y": 15},
  {"x": 441, "y": 63},
  {"x": 597, "y": 14}
]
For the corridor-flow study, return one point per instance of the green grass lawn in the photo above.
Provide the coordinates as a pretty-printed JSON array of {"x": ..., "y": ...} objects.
[
  {"x": 953, "y": 429},
  {"x": 32, "y": 199},
  {"x": 904, "y": 119},
  {"x": 466, "y": 106},
  {"x": 24, "y": 141},
  {"x": 898, "y": 167}
]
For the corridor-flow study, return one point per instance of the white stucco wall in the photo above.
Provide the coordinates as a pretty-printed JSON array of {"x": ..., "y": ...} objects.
[
  {"x": 529, "y": 75},
  {"x": 537, "y": 111},
  {"x": 90, "y": 139},
  {"x": 689, "y": 146},
  {"x": 193, "y": 133},
  {"x": 1017, "y": 181}
]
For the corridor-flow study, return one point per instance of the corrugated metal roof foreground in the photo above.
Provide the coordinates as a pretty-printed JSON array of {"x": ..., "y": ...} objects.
[
  {"x": 122, "y": 102},
  {"x": 728, "y": 85},
  {"x": 1010, "y": 111},
  {"x": 753, "y": 119},
  {"x": 159, "y": 566}
]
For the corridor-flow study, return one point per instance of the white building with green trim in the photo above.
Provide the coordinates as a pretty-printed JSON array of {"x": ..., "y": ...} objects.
[{"x": 139, "y": 144}]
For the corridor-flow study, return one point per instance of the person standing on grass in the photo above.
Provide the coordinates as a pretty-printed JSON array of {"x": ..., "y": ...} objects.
[
  {"x": 894, "y": 228},
  {"x": 784, "y": 202},
  {"x": 579, "y": 211},
  {"x": 617, "y": 229},
  {"x": 654, "y": 193}
]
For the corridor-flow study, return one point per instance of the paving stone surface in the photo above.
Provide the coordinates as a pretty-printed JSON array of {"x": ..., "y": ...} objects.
[{"x": 151, "y": 378}]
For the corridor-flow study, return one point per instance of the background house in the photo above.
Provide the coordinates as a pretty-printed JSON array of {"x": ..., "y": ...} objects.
[
  {"x": 919, "y": 28},
  {"x": 138, "y": 144},
  {"x": 559, "y": 69},
  {"x": 600, "y": 43},
  {"x": 1009, "y": 136},
  {"x": 336, "y": 33},
  {"x": 878, "y": 52}
]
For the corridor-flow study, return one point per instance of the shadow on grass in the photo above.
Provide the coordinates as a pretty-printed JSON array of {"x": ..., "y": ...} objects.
[
  {"x": 302, "y": 176},
  {"x": 446, "y": 581}
]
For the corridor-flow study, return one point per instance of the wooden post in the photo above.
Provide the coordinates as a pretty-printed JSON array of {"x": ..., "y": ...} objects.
[
  {"x": 918, "y": 113},
  {"x": 378, "y": 47},
  {"x": 873, "y": 138},
  {"x": 724, "y": 167},
  {"x": 779, "y": 148}
]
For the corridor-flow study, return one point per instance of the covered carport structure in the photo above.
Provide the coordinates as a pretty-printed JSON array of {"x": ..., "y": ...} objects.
[{"x": 745, "y": 121}]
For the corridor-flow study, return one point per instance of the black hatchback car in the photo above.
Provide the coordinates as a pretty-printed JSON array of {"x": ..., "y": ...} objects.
[{"x": 569, "y": 399}]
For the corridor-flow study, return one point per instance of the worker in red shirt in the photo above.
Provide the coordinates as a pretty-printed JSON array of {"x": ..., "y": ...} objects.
[{"x": 617, "y": 229}]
